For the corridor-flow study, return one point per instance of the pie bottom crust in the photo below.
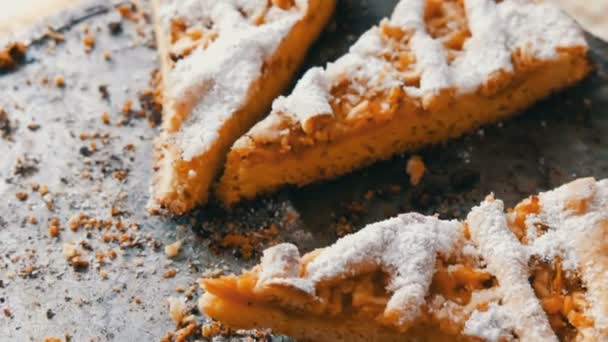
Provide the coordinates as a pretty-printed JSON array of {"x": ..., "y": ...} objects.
[{"x": 307, "y": 328}]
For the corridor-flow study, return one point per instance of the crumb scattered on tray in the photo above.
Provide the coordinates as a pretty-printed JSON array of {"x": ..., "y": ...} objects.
[
  {"x": 6, "y": 126},
  {"x": 22, "y": 196},
  {"x": 54, "y": 227},
  {"x": 12, "y": 55},
  {"x": 173, "y": 249},
  {"x": 250, "y": 242},
  {"x": 128, "y": 11},
  {"x": 60, "y": 81},
  {"x": 52, "y": 339},
  {"x": 415, "y": 169}
]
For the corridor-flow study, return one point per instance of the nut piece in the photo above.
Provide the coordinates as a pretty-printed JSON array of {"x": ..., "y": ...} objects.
[
  {"x": 173, "y": 249},
  {"x": 22, "y": 196}
]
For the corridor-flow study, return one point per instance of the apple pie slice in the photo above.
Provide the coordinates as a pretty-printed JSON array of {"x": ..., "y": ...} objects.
[
  {"x": 222, "y": 63},
  {"x": 538, "y": 273},
  {"x": 435, "y": 70}
]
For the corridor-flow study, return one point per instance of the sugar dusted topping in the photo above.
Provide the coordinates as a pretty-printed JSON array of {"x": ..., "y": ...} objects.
[
  {"x": 280, "y": 261},
  {"x": 535, "y": 29},
  {"x": 310, "y": 99},
  {"x": 574, "y": 223},
  {"x": 431, "y": 58},
  {"x": 214, "y": 81},
  {"x": 538, "y": 28},
  {"x": 576, "y": 220},
  {"x": 486, "y": 52},
  {"x": 507, "y": 259},
  {"x": 494, "y": 324},
  {"x": 405, "y": 247},
  {"x": 557, "y": 214}
]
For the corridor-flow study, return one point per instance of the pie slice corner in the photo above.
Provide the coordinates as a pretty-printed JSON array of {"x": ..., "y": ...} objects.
[
  {"x": 433, "y": 71},
  {"x": 222, "y": 64},
  {"x": 535, "y": 273}
]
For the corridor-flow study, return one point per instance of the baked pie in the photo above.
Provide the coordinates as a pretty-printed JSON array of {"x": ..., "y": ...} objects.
[
  {"x": 222, "y": 64},
  {"x": 536, "y": 273},
  {"x": 433, "y": 71}
]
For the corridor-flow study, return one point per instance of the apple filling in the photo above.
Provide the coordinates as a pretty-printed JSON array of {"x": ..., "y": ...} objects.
[
  {"x": 562, "y": 293},
  {"x": 363, "y": 297}
]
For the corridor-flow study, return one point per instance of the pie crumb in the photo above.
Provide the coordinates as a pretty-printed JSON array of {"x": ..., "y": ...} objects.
[
  {"x": 105, "y": 118},
  {"x": 210, "y": 330},
  {"x": 22, "y": 196},
  {"x": 173, "y": 249},
  {"x": 12, "y": 55},
  {"x": 54, "y": 227},
  {"x": 170, "y": 273},
  {"x": 89, "y": 42},
  {"x": 52, "y": 339},
  {"x": 415, "y": 169},
  {"x": 59, "y": 81}
]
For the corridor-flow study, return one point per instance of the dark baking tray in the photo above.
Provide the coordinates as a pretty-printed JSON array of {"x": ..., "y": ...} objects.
[{"x": 560, "y": 139}]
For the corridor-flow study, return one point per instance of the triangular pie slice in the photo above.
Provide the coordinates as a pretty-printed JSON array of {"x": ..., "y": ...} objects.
[
  {"x": 435, "y": 70},
  {"x": 537, "y": 273},
  {"x": 222, "y": 64}
]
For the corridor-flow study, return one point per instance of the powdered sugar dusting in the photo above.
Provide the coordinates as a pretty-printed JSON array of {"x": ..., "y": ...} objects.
[
  {"x": 280, "y": 266},
  {"x": 591, "y": 247},
  {"x": 217, "y": 79},
  {"x": 539, "y": 28},
  {"x": 555, "y": 215},
  {"x": 310, "y": 99},
  {"x": 535, "y": 28},
  {"x": 405, "y": 247},
  {"x": 431, "y": 59},
  {"x": 280, "y": 261},
  {"x": 576, "y": 218},
  {"x": 486, "y": 52},
  {"x": 507, "y": 259},
  {"x": 492, "y": 325}
]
